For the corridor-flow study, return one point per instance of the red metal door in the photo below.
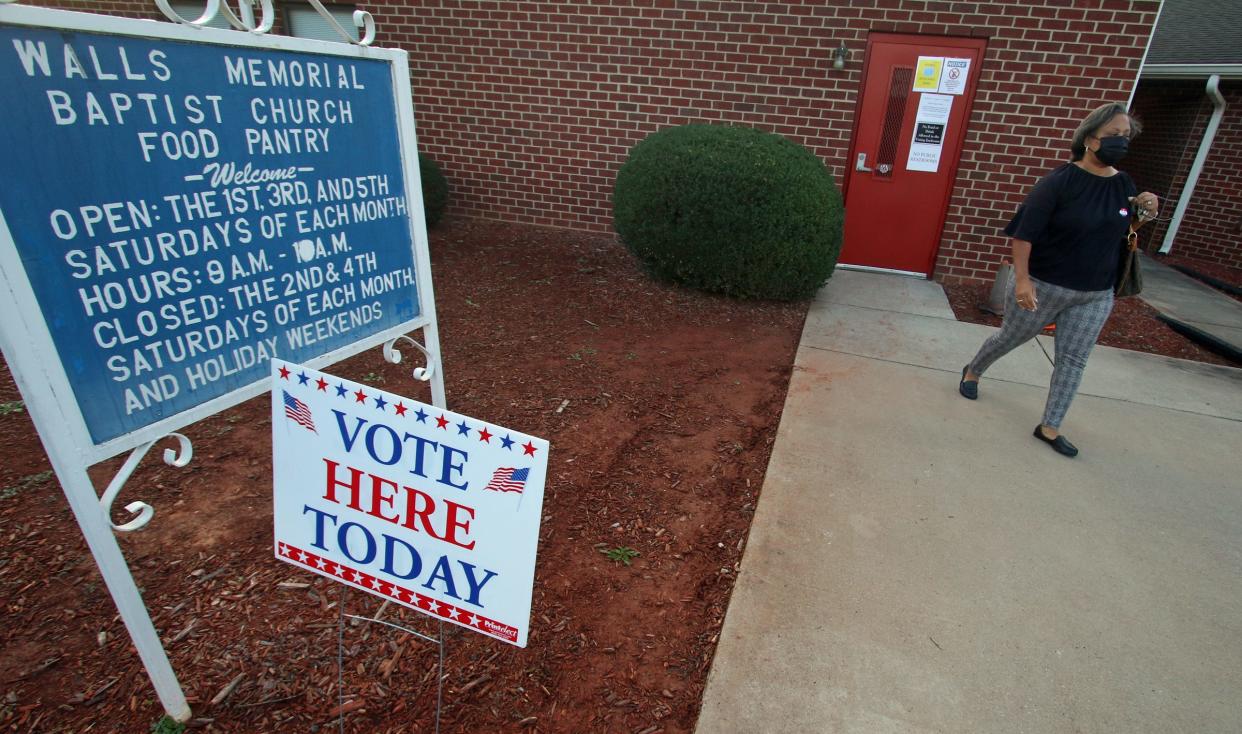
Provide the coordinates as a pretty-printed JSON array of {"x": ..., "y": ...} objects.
[{"x": 907, "y": 138}]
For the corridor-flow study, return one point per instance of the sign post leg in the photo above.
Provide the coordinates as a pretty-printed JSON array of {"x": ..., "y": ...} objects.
[
  {"x": 431, "y": 334},
  {"x": 115, "y": 571}
]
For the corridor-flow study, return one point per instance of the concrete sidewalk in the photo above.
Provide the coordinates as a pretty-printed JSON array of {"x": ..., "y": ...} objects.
[
  {"x": 920, "y": 563},
  {"x": 1181, "y": 297}
]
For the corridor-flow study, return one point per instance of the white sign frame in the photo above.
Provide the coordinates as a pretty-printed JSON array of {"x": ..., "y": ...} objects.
[
  {"x": 27, "y": 343},
  {"x": 30, "y": 350}
]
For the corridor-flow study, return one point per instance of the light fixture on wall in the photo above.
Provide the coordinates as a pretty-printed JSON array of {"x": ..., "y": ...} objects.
[{"x": 839, "y": 56}]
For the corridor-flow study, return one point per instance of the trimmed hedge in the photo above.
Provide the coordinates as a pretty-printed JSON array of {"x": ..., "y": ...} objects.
[
  {"x": 730, "y": 210},
  {"x": 435, "y": 189}
]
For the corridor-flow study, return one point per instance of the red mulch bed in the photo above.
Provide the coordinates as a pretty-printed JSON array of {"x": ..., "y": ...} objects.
[
  {"x": 674, "y": 399},
  {"x": 1133, "y": 325}
]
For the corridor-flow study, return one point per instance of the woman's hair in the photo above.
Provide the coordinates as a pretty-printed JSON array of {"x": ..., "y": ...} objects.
[{"x": 1098, "y": 118}]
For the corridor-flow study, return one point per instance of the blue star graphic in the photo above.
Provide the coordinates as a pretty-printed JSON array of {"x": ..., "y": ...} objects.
[
  {"x": 463, "y": 429},
  {"x": 303, "y": 378},
  {"x": 506, "y": 441},
  {"x": 341, "y": 391},
  {"x": 421, "y": 415},
  {"x": 380, "y": 402}
]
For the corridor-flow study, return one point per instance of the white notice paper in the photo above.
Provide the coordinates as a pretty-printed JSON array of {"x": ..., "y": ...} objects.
[
  {"x": 954, "y": 75},
  {"x": 930, "y": 124}
]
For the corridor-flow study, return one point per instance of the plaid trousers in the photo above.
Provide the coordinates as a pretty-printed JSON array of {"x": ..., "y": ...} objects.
[{"x": 1079, "y": 316}]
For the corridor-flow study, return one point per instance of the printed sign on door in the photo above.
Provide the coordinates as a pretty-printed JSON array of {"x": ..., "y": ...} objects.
[
  {"x": 927, "y": 73},
  {"x": 930, "y": 124},
  {"x": 953, "y": 76}
]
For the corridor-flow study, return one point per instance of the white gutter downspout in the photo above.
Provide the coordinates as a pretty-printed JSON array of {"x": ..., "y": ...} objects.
[
  {"x": 1205, "y": 145},
  {"x": 1143, "y": 63}
]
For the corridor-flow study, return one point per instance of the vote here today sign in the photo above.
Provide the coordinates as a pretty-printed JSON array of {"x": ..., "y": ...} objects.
[{"x": 434, "y": 510}]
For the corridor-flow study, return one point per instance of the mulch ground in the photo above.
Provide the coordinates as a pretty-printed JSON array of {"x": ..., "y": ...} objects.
[
  {"x": 1133, "y": 325},
  {"x": 661, "y": 406},
  {"x": 673, "y": 403}
]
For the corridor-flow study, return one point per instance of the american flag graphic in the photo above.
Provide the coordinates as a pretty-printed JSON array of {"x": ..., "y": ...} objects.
[
  {"x": 298, "y": 411},
  {"x": 508, "y": 479}
]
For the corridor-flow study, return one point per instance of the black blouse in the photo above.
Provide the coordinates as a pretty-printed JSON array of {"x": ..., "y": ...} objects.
[{"x": 1076, "y": 223}]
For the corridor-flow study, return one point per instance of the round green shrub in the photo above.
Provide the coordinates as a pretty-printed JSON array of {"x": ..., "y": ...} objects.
[
  {"x": 730, "y": 210},
  {"x": 435, "y": 189}
]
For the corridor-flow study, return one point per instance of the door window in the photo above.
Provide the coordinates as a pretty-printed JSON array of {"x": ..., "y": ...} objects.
[{"x": 894, "y": 117}]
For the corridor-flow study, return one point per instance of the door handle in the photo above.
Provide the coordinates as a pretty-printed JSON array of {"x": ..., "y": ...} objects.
[{"x": 861, "y": 164}]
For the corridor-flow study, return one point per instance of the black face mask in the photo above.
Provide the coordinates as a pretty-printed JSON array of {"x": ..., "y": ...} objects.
[{"x": 1112, "y": 150}]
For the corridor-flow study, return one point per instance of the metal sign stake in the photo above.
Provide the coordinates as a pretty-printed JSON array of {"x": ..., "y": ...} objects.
[
  {"x": 428, "y": 373},
  {"x": 340, "y": 657}
]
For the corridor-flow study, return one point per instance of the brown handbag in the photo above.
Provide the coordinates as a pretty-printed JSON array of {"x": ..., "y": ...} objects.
[{"x": 1129, "y": 277}]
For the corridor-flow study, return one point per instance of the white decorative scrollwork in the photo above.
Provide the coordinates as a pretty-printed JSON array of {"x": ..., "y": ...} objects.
[
  {"x": 209, "y": 13},
  {"x": 244, "y": 20},
  {"x": 143, "y": 512},
  {"x": 362, "y": 19},
  {"x": 422, "y": 374}
]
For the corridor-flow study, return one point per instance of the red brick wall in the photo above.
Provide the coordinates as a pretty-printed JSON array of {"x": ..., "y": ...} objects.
[
  {"x": 1211, "y": 229},
  {"x": 531, "y": 107},
  {"x": 1174, "y": 115},
  {"x": 1047, "y": 65}
]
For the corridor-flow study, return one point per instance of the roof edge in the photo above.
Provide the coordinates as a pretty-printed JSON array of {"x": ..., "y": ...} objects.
[{"x": 1190, "y": 71}]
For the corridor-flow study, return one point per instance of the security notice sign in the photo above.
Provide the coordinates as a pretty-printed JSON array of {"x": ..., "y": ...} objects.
[
  {"x": 930, "y": 123},
  {"x": 431, "y": 509},
  {"x": 953, "y": 77},
  {"x": 184, "y": 211}
]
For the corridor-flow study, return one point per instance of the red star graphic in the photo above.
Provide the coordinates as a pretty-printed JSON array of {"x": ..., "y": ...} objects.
[
  {"x": 442, "y": 422},
  {"x": 529, "y": 448},
  {"x": 400, "y": 408},
  {"x": 323, "y": 384},
  {"x": 284, "y": 373},
  {"x": 361, "y": 397},
  {"x": 484, "y": 436}
]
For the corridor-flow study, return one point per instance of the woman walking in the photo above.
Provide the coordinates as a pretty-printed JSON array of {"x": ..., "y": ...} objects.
[{"x": 1066, "y": 239}]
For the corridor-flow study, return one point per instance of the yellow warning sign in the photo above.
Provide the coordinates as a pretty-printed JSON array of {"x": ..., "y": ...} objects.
[{"x": 927, "y": 73}]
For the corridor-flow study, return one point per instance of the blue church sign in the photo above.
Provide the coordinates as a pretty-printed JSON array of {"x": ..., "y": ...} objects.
[{"x": 184, "y": 212}]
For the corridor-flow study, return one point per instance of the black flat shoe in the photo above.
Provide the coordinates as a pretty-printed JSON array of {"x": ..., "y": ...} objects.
[
  {"x": 1059, "y": 444},
  {"x": 969, "y": 390}
]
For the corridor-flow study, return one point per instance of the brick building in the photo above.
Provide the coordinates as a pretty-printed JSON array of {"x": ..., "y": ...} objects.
[
  {"x": 1190, "y": 97},
  {"x": 531, "y": 107}
]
